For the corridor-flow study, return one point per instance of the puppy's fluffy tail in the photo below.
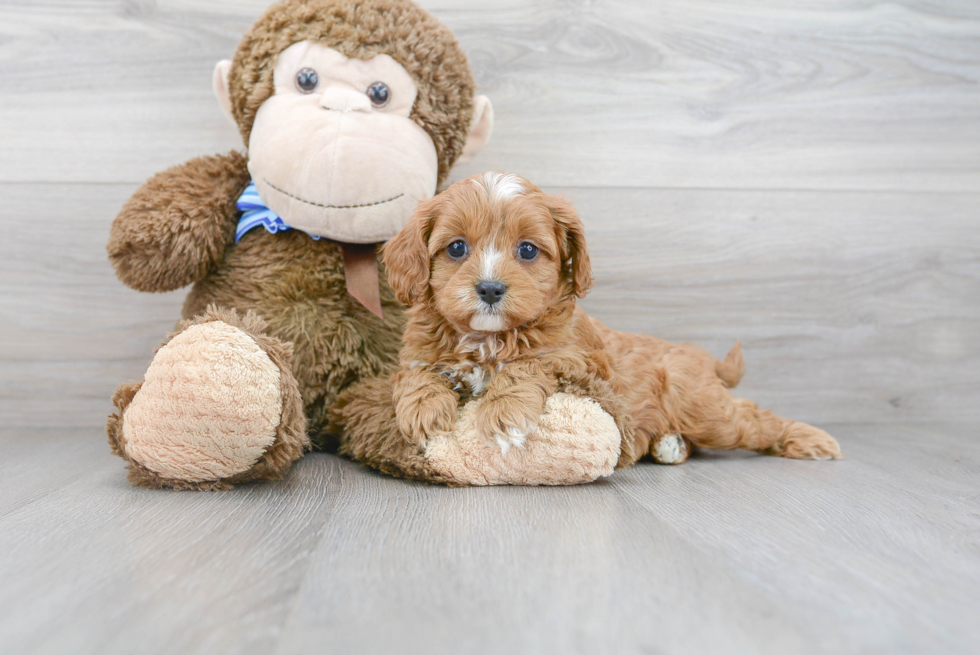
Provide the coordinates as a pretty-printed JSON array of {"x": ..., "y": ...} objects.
[{"x": 730, "y": 371}]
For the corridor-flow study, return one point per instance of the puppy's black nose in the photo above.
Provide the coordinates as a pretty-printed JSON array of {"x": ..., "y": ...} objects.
[{"x": 491, "y": 292}]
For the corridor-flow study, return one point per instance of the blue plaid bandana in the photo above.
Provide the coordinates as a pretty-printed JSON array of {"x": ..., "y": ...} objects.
[{"x": 255, "y": 213}]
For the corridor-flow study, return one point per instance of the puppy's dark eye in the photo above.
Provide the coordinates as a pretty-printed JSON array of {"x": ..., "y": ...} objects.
[
  {"x": 306, "y": 80},
  {"x": 379, "y": 94},
  {"x": 527, "y": 251},
  {"x": 457, "y": 249}
]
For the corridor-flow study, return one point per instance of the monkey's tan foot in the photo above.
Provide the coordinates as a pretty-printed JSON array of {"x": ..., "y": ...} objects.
[
  {"x": 670, "y": 449},
  {"x": 575, "y": 441},
  {"x": 218, "y": 405},
  {"x": 802, "y": 441}
]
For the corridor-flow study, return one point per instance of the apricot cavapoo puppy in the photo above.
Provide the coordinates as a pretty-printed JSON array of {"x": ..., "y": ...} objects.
[{"x": 491, "y": 268}]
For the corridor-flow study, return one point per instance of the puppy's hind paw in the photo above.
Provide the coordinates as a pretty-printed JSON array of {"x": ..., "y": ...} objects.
[
  {"x": 804, "y": 441},
  {"x": 670, "y": 449}
]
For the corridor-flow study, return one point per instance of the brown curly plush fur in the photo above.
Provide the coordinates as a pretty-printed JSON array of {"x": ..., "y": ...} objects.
[
  {"x": 362, "y": 29},
  {"x": 297, "y": 285},
  {"x": 177, "y": 227},
  {"x": 291, "y": 439}
]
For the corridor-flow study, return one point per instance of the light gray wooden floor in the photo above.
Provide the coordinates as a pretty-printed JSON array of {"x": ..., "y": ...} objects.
[{"x": 804, "y": 176}]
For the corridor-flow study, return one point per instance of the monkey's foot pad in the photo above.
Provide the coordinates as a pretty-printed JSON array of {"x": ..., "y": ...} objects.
[
  {"x": 209, "y": 406},
  {"x": 575, "y": 442}
]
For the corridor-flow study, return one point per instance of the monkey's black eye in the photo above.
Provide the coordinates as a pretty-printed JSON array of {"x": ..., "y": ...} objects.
[
  {"x": 457, "y": 249},
  {"x": 379, "y": 94},
  {"x": 527, "y": 251},
  {"x": 306, "y": 80}
]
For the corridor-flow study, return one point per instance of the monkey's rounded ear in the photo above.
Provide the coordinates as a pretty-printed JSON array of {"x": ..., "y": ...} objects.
[
  {"x": 480, "y": 128},
  {"x": 220, "y": 83},
  {"x": 406, "y": 256},
  {"x": 576, "y": 265}
]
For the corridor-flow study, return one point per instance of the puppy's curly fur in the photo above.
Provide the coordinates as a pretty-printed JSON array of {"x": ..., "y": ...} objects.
[{"x": 492, "y": 268}]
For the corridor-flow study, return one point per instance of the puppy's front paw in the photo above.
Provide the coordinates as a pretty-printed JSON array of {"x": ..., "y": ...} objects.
[
  {"x": 426, "y": 412},
  {"x": 506, "y": 422}
]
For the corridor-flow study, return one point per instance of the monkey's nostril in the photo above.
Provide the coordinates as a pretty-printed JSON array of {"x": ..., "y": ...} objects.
[{"x": 491, "y": 292}]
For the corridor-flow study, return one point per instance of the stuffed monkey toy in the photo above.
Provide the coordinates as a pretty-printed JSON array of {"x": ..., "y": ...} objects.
[{"x": 352, "y": 112}]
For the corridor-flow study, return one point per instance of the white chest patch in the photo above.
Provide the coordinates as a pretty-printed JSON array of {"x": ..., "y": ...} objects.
[
  {"x": 477, "y": 380},
  {"x": 484, "y": 346},
  {"x": 467, "y": 376}
]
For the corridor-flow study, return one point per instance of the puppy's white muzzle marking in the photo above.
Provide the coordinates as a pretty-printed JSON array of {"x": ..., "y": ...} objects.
[{"x": 482, "y": 322}]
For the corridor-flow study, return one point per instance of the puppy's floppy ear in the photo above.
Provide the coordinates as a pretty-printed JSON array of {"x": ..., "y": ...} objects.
[
  {"x": 576, "y": 267},
  {"x": 406, "y": 256}
]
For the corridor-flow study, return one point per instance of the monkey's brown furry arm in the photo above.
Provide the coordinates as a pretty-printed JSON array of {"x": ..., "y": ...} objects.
[{"x": 178, "y": 224}]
